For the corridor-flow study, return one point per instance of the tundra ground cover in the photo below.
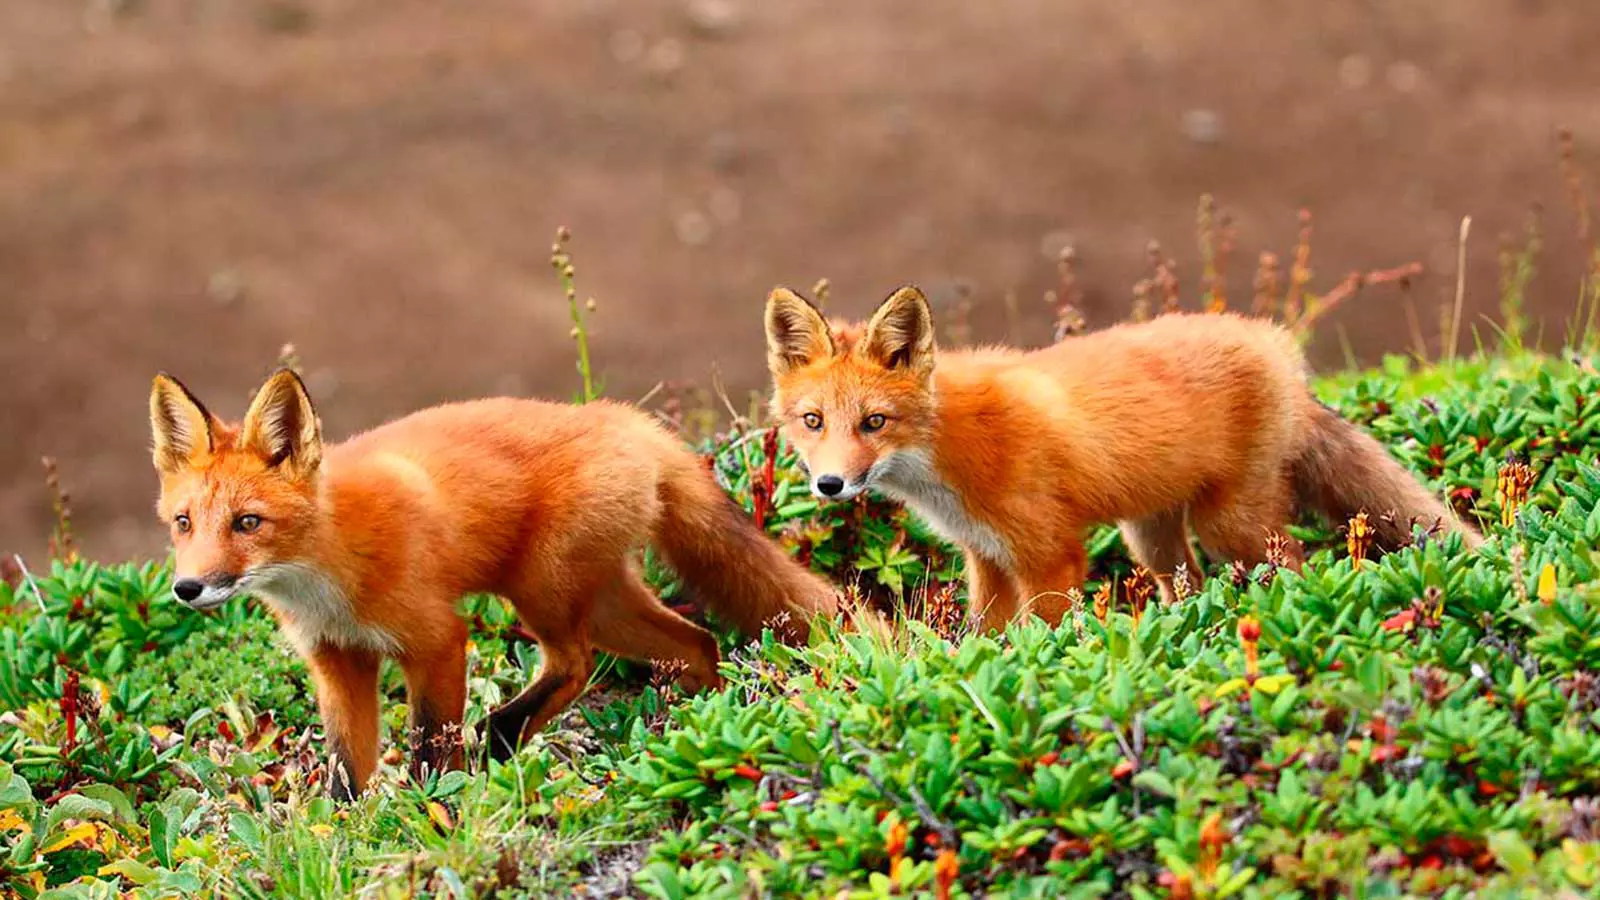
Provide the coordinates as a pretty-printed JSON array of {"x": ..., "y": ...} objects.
[{"x": 1422, "y": 724}]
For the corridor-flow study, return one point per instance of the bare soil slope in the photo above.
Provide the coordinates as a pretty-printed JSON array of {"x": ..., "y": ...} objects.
[{"x": 187, "y": 184}]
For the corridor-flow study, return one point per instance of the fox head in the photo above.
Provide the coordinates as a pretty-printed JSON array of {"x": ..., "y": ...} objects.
[
  {"x": 850, "y": 397},
  {"x": 237, "y": 498}
]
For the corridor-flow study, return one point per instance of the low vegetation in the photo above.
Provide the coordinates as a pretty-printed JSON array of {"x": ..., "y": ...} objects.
[{"x": 1424, "y": 723}]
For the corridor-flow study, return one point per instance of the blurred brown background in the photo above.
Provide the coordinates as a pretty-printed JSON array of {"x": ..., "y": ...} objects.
[{"x": 188, "y": 184}]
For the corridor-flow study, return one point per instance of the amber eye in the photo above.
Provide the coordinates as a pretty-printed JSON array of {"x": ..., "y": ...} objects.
[
  {"x": 813, "y": 421},
  {"x": 183, "y": 524},
  {"x": 246, "y": 524},
  {"x": 874, "y": 422}
]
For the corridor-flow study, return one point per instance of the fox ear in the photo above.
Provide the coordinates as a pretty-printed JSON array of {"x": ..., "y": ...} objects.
[
  {"x": 179, "y": 424},
  {"x": 900, "y": 333},
  {"x": 282, "y": 425},
  {"x": 797, "y": 335}
]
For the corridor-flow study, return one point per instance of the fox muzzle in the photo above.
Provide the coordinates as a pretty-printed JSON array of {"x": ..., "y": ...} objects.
[{"x": 204, "y": 593}]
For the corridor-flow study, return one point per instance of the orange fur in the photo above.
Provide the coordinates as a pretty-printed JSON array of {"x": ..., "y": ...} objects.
[
  {"x": 361, "y": 549},
  {"x": 1188, "y": 421}
]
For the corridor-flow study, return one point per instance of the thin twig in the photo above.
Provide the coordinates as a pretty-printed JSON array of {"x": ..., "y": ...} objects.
[
  {"x": 37, "y": 595},
  {"x": 1419, "y": 344},
  {"x": 650, "y": 394},
  {"x": 735, "y": 419},
  {"x": 947, "y": 832},
  {"x": 745, "y": 438},
  {"x": 1461, "y": 285}
]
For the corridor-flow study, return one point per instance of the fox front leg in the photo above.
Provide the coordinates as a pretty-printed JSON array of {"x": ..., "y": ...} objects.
[
  {"x": 436, "y": 691},
  {"x": 1044, "y": 587},
  {"x": 347, "y": 695}
]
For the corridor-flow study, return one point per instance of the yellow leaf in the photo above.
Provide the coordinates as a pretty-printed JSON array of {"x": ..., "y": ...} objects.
[
  {"x": 77, "y": 833},
  {"x": 1272, "y": 684},
  {"x": 1547, "y": 583},
  {"x": 160, "y": 732},
  {"x": 322, "y": 829},
  {"x": 10, "y": 821},
  {"x": 1231, "y": 686},
  {"x": 439, "y": 815}
]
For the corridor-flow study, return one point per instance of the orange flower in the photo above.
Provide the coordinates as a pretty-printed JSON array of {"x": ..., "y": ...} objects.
[
  {"x": 1358, "y": 539},
  {"x": 1213, "y": 838},
  {"x": 1511, "y": 488},
  {"x": 1178, "y": 887},
  {"x": 946, "y": 867},
  {"x": 1140, "y": 587},
  {"x": 896, "y": 842},
  {"x": 1250, "y": 636},
  {"x": 1249, "y": 629}
]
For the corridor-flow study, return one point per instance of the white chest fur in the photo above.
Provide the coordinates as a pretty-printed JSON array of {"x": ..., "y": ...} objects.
[
  {"x": 910, "y": 477},
  {"x": 315, "y": 609}
]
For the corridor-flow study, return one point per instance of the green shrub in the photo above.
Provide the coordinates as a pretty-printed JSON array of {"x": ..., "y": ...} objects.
[
  {"x": 247, "y": 663},
  {"x": 1427, "y": 723}
]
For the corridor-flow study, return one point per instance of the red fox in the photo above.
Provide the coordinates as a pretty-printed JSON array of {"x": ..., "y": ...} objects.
[
  {"x": 1202, "y": 421},
  {"x": 362, "y": 549}
]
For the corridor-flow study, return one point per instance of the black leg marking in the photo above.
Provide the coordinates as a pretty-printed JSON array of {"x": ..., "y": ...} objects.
[
  {"x": 434, "y": 741},
  {"x": 506, "y": 723}
]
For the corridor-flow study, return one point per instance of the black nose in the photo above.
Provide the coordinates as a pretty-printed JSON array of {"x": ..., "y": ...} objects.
[
  {"x": 830, "y": 485},
  {"x": 188, "y": 589}
]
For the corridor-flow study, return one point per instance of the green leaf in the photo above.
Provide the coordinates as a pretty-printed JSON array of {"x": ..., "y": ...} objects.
[
  {"x": 131, "y": 869},
  {"x": 1512, "y": 851},
  {"x": 1156, "y": 783},
  {"x": 121, "y": 807}
]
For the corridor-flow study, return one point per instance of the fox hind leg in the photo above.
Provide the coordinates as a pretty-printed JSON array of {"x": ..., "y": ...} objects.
[
  {"x": 1160, "y": 543},
  {"x": 559, "y": 619},
  {"x": 1244, "y": 521},
  {"x": 630, "y": 621},
  {"x": 567, "y": 662}
]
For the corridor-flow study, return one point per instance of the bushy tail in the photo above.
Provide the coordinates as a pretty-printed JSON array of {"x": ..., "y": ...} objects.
[
  {"x": 1342, "y": 471},
  {"x": 730, "y": 565}
]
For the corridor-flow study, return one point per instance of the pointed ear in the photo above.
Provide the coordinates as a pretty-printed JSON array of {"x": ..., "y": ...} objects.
[
  {"x": 797, "y": 335},
  {"x": 900, "y": 334},
  {"x": 282, "y": 425},
  {"x": 179, "y": 424}
]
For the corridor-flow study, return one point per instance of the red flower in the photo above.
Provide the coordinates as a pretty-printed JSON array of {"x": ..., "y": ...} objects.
[{"x": 1400, "y": 621}]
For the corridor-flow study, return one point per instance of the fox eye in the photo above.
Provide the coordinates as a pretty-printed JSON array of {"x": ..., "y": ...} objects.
[
  {"x": 246, "y": 524},
  {"x": 874, "y": 422},
  {"x": 813, "y": 421},
  {"x": 183, "y": 524}
]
